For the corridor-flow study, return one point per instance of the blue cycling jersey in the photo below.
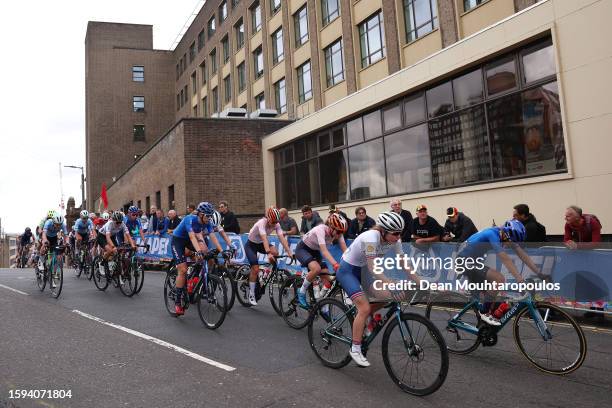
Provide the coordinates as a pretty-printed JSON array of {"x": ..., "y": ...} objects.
[
  {"x": 52, "y": 230},
  {"x": 191, "y": 223},
  {"x": 134, "y": 226},
  {"x": 83, "y": 227},
  {"x": 482, "y": 242}
]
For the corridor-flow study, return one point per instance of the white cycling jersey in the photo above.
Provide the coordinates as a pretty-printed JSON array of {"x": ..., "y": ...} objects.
[
  {"x": 369, "y": 245},
  {"x": 113, "y": 228}
]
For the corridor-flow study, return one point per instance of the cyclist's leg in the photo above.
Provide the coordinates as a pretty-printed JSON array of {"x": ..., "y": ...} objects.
[
  {"x": 251, "y": 250},
  {"x": 180, "y": 248}
]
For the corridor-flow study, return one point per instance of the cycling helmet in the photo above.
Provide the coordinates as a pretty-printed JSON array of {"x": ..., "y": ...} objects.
[
  {"x": 28, "y": 229},
  {"x": 515, "y": 230},
  {"x": 206, "y": 208},
  {"x": 337, "y": 222},
  {"x": 84, "y": 214},
  {"x": 118, "y": 216},
  {"x": 215, "y": 218},
  {"x": 133, "y": 210},
  {"x": 105, "y": 216},
  {"x": 272, "y": 214},
  {"x": 390, "y": 221},
  {"x": 58, "y": 218},
  {"x": 50, "y": 214}
]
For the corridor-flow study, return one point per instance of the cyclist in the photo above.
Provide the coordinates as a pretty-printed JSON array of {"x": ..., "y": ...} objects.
[
  {"x": 50, "y": 231},
  {"x": 107, "y": 240},
  {"x": 494, "y": 238},
  {"x": 369, "y": 245},
  {"x": 42, "y": 222},
  {"x": 134, "y": 225},
  {"x": 258, "y": 243},
  {"x": 83, "y": 229},
  {"x": 25, "y": 240},
  {"x": 311, "y": 250},
  {"x": 99, "y": 222},
  {"x": 187, "y": 238}
]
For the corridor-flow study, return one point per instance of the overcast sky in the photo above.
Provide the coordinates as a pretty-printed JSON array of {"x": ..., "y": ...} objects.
[{"x": 42, "y": 100}]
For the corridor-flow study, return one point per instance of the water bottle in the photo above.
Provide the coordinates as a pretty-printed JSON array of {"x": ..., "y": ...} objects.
[{"x": 501, "y": 310}]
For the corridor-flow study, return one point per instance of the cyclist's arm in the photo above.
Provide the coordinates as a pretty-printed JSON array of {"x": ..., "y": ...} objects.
[
  {"x": 327, "y": 255},
  {"x": 197, "y": 241},
  {"x": 507, "y": 261},
  {"x": 285, "y": 244},
  {"x": 526, "y": 259},
  {"x": 215, "y": 241},
  {"x": 266, "y": 244}
]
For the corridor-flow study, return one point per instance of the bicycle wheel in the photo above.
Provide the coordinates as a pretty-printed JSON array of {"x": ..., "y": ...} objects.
[
  {"x": 330, "y": 331},
  {"x": 229, "y": 286},
  {"x": 441, "y": 309},
  {"x": 41, "y": 279},
  {"x": 415, "y": 354},
  {"x": 170, "y": 290},
  {"x": 275, "y": 287},
  {"x": 87, "y": 270},
  {"x": 57, "y": 279},
  {"x": 212, "y": 302},
  {"x": 242, "y": 285},
  {"x": 293, "y": 314},
  {"x": 99, "y": 279},
  {"x": 565, "y": 348},
  {"x": 139, "y": 273},
  {"x": 125, "y": 276}
]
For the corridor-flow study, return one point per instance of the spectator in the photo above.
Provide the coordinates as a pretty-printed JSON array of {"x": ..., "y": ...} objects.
[
  {"x": 333, "y": 208},
  {"x": 536, "y": 232},
  {"x": 361, "y": 223},
  {"x": 191, "y": 209},
  {"x": 425, "y": 229},
  {"x": 396, "y": 206},
  {"x": 458, "y": 226},
  {"x": 152, "y": 212},
  {"x": 581, "y": 230},
  {"x": 288, "y": 224},
  {"x": 229, "y": 222},
  {"x": 159, "y": 224},
  {"x": 144, "y": 221},
  {"x": 310, "y": 219},
  {"x": 173, "y": 221}
]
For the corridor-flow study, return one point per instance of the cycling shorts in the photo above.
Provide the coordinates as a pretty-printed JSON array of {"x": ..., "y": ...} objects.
[
  {"x": 475, "y": 275},
  {"x": 101, "y": 240},
  {"x": 251, "y": 249},
  {"x": 349, "y": 277},
  {"x": 306, "y": 255},
  {"x": 178, "y": 249}
]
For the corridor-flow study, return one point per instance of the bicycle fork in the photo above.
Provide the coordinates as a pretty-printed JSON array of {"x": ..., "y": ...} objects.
[{"x": 540, "y": 321}]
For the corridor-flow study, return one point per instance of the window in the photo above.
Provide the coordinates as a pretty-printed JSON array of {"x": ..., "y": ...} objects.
[
  {"x": 226, "y": 49},
  {"x": 171, "y": 197},
  {"x": 241, "y": 69},
  {"x": 222, "y": 12},
  {"x": 301, "y": 26},
  {"x": 178, "y": 72},
  {"x": 275, "y": 5},
  {"x": 468, "y": 89},
  {"x": 158, "y": 199},
  {"x": 408, "y": 161},
  {"x": 286, "y": 187},
  {"x": 304, "y": 82},
  {"x": 440, "y": 99},
  {"x": 138, "y": 73},
  {"x": 334, "y": 66},
  {"x": 470, "y": 4},
  {"x": 184, "y": 63},
  {"x": 227, "y": 89},
  {"x": 215, "y": 100},
  {"x": 255, "y": 17},
  {"x": 277, "y": 46},
  {"x": 195, "y": 111},
  {"x": 239, "y": 30},
  {"x": 538, "y": 63},
  {"x": 213, "y": 62},
  {"x": 280, "y": 96},
  {"x": 182, "y": 94},
  {"x": 330, "y": 9},
  {"x": 260, "y": 101},
  {"x": 371, "y": 39},
  {"x": 148, "y": 203},
  {"x": 205, "y": 107},
  {"x": 354, "y": 131},
  {"x": 139, "y": 133},
  {"x": 192, "y": 52},
  {"x": 258, "y": 62},
  {"x": 178, "y": 101},
  {"x": 501, "y": 76},
  {"x": 308, "y": 175},
  {"x": 235, "y": 3},
  {"x": 372, "y": 126},
  {"x": 414, "y": 109},
  {"x": 211, "y": 27},
  {"x": 138, "y": 103},
  {"x": 194, "y": 83},
  {"x": 420, "y": 18},
  {"x": 186, "y": 93},
  {"x": 367, "y": 170},
  {"x": 392, "y": 117},
  {"x": 139, "y": 202},
  {"x": 203, "y": 72},
  {"x": 334, "y": 177},
  {"x": 201, "y": 40}
]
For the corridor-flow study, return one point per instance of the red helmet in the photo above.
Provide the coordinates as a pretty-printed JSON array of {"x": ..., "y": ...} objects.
[
  {"x": 337, "y": 222},
  {"x": 272, "y": 214}
]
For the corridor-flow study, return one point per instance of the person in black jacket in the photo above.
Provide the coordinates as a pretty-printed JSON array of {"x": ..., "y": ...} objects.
[
  {"x": 536, "y": 232},
  {"x": 458, "y": 226},
  {"x": 425, "y": 229},
  {"x": 396, "y": 206},
  {"x": 361, "y": 223},
  {"x": 173, "y": 221},
  {"x": 229, "y": 222},
  {"x": 310, "y": 219}
]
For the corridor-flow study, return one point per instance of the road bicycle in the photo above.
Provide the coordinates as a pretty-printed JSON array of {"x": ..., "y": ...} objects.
[
  {"x": 122, "y": 270},
  {"x": 545, "y": 334},
  {"x": 83, "y": 259},
  {"x": 51, "y": 270},
  {"x": 413, "y": 349},
  {"x": 208, "y": 291},
  {"x": 22, "y": 260},
  {"x": 227, "y": 272}
]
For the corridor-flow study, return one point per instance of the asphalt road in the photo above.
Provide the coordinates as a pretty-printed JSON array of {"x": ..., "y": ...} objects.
[{"x": 45, "y": 344}]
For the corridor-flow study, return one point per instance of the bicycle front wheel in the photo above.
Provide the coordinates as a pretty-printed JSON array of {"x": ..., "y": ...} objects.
[
  {"x": 330, "y": 332},
  {"x": 99, "y": 276},
  {"x": 57, "y": 279},
  {"x": 212, "y": 302},
  {"x": 170, "y": 291},
  {"x": 293, "y": 314},
  {"x": 127, "y": 283},
  {"x": 415, "y": 354},
  {"x": 41, "y": 279},
  {"x": 558, "y": 346},
  {"x": 276, "y": 284}
]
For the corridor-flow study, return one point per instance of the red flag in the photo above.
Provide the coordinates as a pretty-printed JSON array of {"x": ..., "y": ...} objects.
[{"x": 104, "y": 196}]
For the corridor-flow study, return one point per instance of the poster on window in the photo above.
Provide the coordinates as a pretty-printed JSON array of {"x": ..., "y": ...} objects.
[{"x": 539, "y": 151}]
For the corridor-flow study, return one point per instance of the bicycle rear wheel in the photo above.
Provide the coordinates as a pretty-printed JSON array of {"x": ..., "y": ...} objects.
[
  {"x": 212, "y": 302},
  {"x": 274, "y": 289},
  {"x": 242, "y": 285},
  {"x": 170, "y": 290},
  {"x": 127, "y": 284},
  {"x": 415, "y": 354},
  {"x": 87, "y": 269},
  {"x": 565, "y": 348},
  {"x": 99, "y": 279},
  {"x": 57, "y": 279},
  {"x": 293, "y": 314},
  {"x": 330, "y": 330}
]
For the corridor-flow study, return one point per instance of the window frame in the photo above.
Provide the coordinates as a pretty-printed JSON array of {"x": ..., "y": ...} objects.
[
  {"x": 368, "y": 59},
  {"x": 329, "y": 64},
  {"x": 238, "y": 35},
  {"x": 433, "y": 21},
  {"x": 256, "y": 17},
  {"x": 276, "y": 56},
  {"x": 137, "y": 73},
  {"x": 138, "y": 102},
  {"x": 326, "y": 17},
  {"x": 257, "y": 56},
  {"x": 277, "y": 95},
  {"x": 301, "y": 38}
]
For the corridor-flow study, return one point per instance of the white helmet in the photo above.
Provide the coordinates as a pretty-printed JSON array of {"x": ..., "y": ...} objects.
[
  {"x": 58, "y": 218},
  {"x": 390, "y": 221},
  {"x": 84, "y": 214},
  {"x": 105, "y": 216},
  {"x": 215, "y": 219}
]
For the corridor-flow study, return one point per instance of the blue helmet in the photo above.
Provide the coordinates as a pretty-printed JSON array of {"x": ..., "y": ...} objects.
[
  {"x": 206, "y": 208},
  {"x": 133, "y": 210},
  {"x": 515, "y": 230}
]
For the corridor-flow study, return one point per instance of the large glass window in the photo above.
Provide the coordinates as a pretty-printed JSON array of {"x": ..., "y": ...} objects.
[
  {"x": 301, "y": 26},
  {"x": 414, "y": 109},
  {"x": 334, "y": 66},
  {"x": 372, "y": 126},
  {"x": 286, "y": 192},
  {"x": 307, "y": 174},
  {"x": 372, "y": 40},
  {"x": 280, "y": 96},
  {"x": 304, "y": 82},
  {"x": 203, "y": 72},
  {"x": 354, "y": 131},
  {"x": 194, "y": 83},
  {"x": 258, "y": 62},
  {"x": 392, "y": 117},
  {"x": 241, "y": 69},
  {"x": 468, "y": 89},
  {"x": 420, "y": 18},
  {"x": 139, "y": 133},
  {"x": 255, "y": 17},
  {"x": 440, "y": 100},
  {"x": 278, "y": 52},
  {"x": 408, "y": 160},
  {"x": 334, "y": 177},
  {"x": 501, "y": 76},
  {"x": 367, "y": 170},
  {"x": 138, "y": 73},
  {"x": 330, "y": 9},
  {"x": 538, "y": 63},
  {"x": 239, "y": 30}
]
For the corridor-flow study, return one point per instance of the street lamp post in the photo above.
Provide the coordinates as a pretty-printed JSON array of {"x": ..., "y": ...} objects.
[{"x": 82, "y": 184}]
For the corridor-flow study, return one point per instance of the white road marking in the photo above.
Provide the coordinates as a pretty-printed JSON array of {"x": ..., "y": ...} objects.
[
  {"x": 13, "y": 290},
  {"x": 159, "y": 342}
]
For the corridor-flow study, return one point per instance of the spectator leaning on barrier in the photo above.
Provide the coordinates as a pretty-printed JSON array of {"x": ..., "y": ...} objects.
[
  {"x": 288, "y": 224},
  {"x": 581, "y": 230},
  {"x": 425, "y": 229},
  {"x": 229, "y": 222},
  {"x": 152, "y": 213},
  {"x": 159, "y": 224},
  {"x": 191, "y": 209},
  {"x": 310, "y": 219},
  {"x": 458, "y": 226},
  {"x": 173, "y": 221},
  {"x": 361, "y": 223},
  {"x": 536, "y": 232},
  {"x": 396, "y": 206},
  {"x": 333, "y": 208}
]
